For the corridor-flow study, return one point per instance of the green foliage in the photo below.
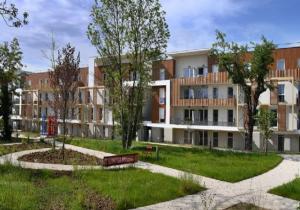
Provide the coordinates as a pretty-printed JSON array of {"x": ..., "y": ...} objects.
[
  {"x": 10, "y": 68},
  {"x": 10, "y": 15},
  {"x": 265, "y": 117},
  {"x": 249, "y": 74},
  {"x": 128, "y": 35},
  {"x": 222, "y": 165},
  {"x": 289, "y": 190}
]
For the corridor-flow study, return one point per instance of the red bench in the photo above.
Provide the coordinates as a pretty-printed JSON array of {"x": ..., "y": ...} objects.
[{"x": 120, "y": 159}]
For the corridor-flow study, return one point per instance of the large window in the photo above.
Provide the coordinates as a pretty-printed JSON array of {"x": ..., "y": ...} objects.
[
  {"x": 188, "y": 72},
  {"x": 230, "y": 92},
  {"x": 281, "y": 64},
  {"x": 215, "y": 93},
  {"x": 298, "y": 63},
  {"x": 230, "y": 140},
  {"x": 215, "y": 68},
  {"x": 188, "y": 115},
  {"x": 274, "y": 121},
  {"x": 161, "y": 114},
  {"x": 162, "y": 74},
  {"x": 188, "y": 137},
  {"x": 203, "y": 138},
  {"x": 215, "y": 139},
  {"x": 281, "y": 93},
  {"x": 230, "y": 116},
  {"x": 215, "y": 116},
  {"x": 203, "y": 116}
]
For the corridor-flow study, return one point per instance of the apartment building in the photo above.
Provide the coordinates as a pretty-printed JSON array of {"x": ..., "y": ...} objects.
[
  {"x": 90, "y": 116},
  {"x": 194, "y": 102}
]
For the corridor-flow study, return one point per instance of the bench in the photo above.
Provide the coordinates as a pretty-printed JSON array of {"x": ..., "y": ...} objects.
[
  {"x": 148, "y": 150},
  {"x": 120, "y": 159}
]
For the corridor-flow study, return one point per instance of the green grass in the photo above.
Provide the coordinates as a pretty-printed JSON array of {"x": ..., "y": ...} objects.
[
  {"x": 130, "y": 188},
  {"x": 221, "y": 165},
  {"x": 20, "y": 147},
  {"x": 289, "y": 190}
]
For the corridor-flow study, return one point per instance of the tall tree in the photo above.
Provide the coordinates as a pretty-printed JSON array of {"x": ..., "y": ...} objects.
[
  {"x": 64, "y": 82},
  {"x": 265, "y": 117},
  {"x": 129, "y": 35},
  {"x": 249, "y": 74},
  {"x": 10, "y": 68},
  {"x": 10, "y": 15}
]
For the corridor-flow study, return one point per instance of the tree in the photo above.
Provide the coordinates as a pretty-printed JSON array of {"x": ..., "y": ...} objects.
[
  {"x": 64, "y": 82},
  {"x": 10, "y": 68},
  {"x": 129, "y": 35},
  {"x": 249, "y": 74},
  {"x": 265, "y": 117},
  {"x": 10, "y": 15}
]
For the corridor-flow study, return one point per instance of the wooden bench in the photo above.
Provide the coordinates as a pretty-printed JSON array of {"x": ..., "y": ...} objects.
[{"x": 120, "y": 159}]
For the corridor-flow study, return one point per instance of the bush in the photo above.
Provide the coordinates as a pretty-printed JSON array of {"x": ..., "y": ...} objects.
[{"x": 189, "y": 184}]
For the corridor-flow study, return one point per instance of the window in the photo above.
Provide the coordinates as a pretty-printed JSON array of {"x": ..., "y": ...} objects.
[
  {"x": 46, "y": 97},
  {"x": 188, "y": 114},
  {"x": 80, "y": 97},
  {"x": 280, "y": 143},
  {"x": 29, "y": 83},
  {"x": 191, "y": 93},
  {"x": 215, "y": 139},
  {"x": 162, "y": 96},
  {"x": 274, "y": 121},
  {"x": 298, "y": 63},
  {"x": 215, "y": 93},
  {"x": 88, "y": 97},
  {"x": 91, "y": 114},
  {"x": 281, "y": 92},
  {"x": 215, "y": 68},
  {"x": 162, "y": 74},
  {"x": 230, "y": 140},
  {"x": 215, "y": 116},
  {"x": 188, "y": 72},
  {"x": 230, "y": 92},
  {"x": 188, "y": 137},
  {"x": 203, "y": 116},
  {"x": 281, "y": 64},
  {"x": 201, "y": 71},
  {"x": 186, "y": 93},
  {"x": 230, "y": 116},
  {"x": 204, "y": 92},
  {"x": 161, "y": 114},
  {"x": 203, "y": 138}
]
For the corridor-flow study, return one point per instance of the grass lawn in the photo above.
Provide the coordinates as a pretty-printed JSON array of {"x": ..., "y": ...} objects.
[
  {"x": 221, "y": 165},
  {"x": 289, "y": 190},
  {"x": 115, "y": 189},
  {"x": 20, "y": 147}
]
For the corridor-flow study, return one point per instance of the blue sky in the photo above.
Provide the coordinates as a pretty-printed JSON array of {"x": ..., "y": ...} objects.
[{"x": 192, "y": 24}]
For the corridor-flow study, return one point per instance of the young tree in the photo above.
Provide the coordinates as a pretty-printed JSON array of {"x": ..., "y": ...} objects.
[
  {"x": 265, "y": 118},
  {"x": 250, "y": 74},
  {"x": 128, "y": 35},
  {"x": 10, "y": 68},
  {"x": 64, "y": 82},
  {"x": 10, "y": 15}
]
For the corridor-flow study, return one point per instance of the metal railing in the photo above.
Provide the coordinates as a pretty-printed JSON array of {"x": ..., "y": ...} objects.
[{"x": 179, "y": 121}]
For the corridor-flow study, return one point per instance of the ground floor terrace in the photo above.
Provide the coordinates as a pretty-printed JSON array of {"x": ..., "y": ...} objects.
[
  {"x": 73, "y": 128},
  {"x": 229, "y": 138}
]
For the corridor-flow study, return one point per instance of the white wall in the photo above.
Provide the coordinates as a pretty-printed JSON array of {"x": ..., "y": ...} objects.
[{"x": 186, "y": 61}]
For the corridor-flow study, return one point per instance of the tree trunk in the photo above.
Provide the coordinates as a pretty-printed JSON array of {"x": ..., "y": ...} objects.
[{"x": 5, "y": 112}]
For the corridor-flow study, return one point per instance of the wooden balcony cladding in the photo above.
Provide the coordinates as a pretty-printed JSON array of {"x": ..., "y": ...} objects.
[
  {"x": 295, "y": 73},
  {"x": 210, "y": 78},
  {"x": 274, "y": 94},
  {"x": 281, "y": 117},
  {"x": 224, "y": 102}
]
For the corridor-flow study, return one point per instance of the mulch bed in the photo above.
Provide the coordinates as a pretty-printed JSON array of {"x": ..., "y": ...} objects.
[
  {"x": 6, "y": 149},
  {"x": 56, "y": 157}
]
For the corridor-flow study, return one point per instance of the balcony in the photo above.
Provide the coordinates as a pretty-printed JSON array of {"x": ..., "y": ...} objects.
[
  {"x": 295, "y": 73},
  {"x": 224, "y": 102},
  {"x": 205, "y": 79},
  {"x": 179, "y": 121}
]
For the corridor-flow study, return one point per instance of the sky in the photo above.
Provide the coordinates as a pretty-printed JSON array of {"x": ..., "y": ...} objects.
[{"x": 192, "y": 24}]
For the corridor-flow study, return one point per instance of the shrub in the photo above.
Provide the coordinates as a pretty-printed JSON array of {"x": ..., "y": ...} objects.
[{"x": 189, "y": 184}]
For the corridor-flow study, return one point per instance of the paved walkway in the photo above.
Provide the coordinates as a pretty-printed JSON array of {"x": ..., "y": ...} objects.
[{"x": 219, "y": 195}]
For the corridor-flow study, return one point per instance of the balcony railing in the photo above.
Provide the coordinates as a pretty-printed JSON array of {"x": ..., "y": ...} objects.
[
  {"x": 226, "y": 102},
  {"x": 179, "y": 121}
]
